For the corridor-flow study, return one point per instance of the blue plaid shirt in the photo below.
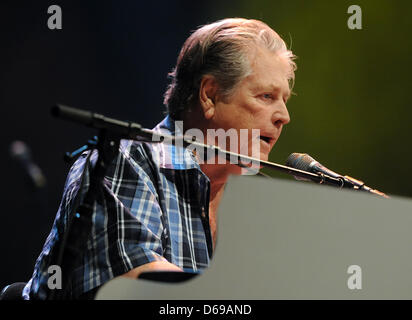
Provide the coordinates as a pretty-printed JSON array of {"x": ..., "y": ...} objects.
[{"x": 156, "y": 202}]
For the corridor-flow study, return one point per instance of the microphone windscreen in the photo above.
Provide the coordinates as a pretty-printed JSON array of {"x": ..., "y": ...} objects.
[
  {"x": 299, "y": 161},
  {"x": 19, "y": 150},
  {"x": 21, "y": 153}
]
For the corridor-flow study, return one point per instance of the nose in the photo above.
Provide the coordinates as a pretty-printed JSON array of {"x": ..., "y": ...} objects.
[{"x": 281, "y": 116}]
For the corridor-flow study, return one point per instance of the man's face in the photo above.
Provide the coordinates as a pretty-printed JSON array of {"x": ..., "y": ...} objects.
[{"x": 258, "y": 102}]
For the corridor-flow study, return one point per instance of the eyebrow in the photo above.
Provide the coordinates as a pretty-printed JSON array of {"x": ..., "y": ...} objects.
[{"x": 271, "y": 88}]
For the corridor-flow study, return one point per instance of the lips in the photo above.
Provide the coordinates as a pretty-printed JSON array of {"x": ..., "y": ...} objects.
[{"x": 266, "y": 139}]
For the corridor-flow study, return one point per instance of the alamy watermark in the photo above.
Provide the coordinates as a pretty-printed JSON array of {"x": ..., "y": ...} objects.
[
  {"x": 355, "y": 20},
  {"x": 237, "y": 141},
  {"x": 55, "y": 20},
  {"x": 355, "y": 279},
  {"x": 55, "y": 277}
]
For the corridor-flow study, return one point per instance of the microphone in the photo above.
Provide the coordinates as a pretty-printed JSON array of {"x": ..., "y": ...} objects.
[
  {"x": 21, "y": 152},
  {"x": 305, "y": 162}
]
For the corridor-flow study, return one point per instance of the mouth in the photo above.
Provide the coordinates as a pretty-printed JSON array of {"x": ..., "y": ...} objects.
[{"x": 266, "y": 139}]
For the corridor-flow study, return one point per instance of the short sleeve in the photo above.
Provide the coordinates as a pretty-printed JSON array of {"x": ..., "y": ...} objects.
[{"x": 127, "y": 221}]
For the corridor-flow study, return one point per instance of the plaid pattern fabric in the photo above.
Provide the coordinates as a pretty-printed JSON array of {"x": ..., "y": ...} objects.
[{"x": 154, "y": 206}]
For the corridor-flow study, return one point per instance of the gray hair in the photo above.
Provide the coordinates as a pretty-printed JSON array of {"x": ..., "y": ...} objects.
[{"x": 220, "y": 49}]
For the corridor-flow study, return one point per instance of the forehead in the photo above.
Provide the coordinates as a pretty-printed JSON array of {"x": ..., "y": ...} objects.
[{"x": 269, "y": 70}]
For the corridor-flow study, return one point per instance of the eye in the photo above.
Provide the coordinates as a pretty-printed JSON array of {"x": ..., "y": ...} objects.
[{"x": 267, "y": 96}]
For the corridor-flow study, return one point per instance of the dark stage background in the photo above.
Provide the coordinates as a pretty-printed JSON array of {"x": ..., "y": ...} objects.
[{"x": 351, "y": 110}]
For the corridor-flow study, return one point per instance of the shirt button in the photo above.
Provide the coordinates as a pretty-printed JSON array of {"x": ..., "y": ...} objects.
[{"x": 203, "y": 213}]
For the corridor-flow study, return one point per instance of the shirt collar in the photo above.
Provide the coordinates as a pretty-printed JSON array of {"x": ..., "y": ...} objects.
[{"x": 172, "y": 156}]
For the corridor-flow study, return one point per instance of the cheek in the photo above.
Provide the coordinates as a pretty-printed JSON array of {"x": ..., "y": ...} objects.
[
  {"x": 249, "y": 116},
  {"x": 257, "y": 111},
  {"x": 236, "y": 118},
  {"x": 245, "y": 113},
  {"x": 227, "y": 115}
]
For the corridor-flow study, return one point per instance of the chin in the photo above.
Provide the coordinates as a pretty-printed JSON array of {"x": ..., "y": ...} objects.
[
  {"x": 264, "y": 157},
  {"x": 253, "y": 169}
]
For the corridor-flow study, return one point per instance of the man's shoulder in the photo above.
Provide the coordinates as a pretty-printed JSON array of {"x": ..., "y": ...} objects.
[
  {"x": 136, "y": 150},
  {"x": 143, "y": 151},
  {"x": 141, "y": 157}
]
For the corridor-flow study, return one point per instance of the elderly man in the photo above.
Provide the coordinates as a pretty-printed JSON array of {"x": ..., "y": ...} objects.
[{"x": 157, "y": 213}]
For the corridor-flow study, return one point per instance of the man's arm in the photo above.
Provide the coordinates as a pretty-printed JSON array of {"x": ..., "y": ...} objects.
[
  {"x": 161, "y": 265},
  {"x": 139, "y": 238}
]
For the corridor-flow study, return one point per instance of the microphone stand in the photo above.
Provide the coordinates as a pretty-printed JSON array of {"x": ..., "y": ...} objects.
[{"x": 111, "y": 131}]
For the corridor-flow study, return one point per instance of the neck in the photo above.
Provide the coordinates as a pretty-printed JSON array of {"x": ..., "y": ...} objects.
[{"x": 218, "y": 176}]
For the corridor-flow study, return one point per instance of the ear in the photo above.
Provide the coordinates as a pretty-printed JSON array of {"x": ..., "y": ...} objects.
[{"x": 207, "y": 95}]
